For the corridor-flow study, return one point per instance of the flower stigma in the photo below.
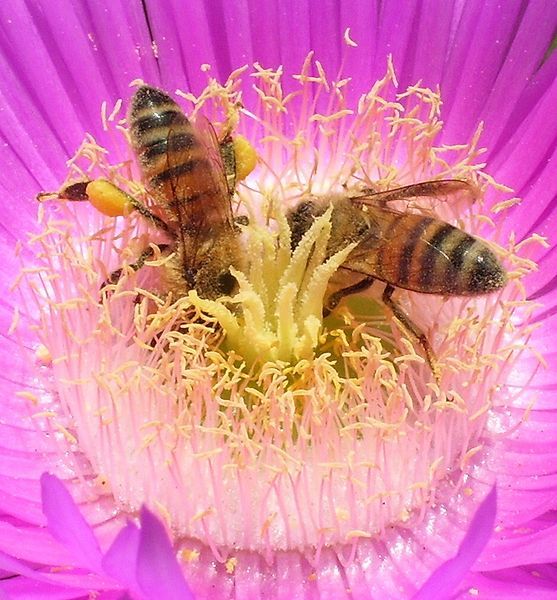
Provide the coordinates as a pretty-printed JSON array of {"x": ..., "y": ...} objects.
[{"x": 250, "y": 422}]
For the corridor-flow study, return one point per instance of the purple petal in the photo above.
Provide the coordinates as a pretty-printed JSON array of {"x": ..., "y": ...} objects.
[
  {"x": 444, "y": 580},
  {"x": 158, "y": 573},
  {"x": 533, "y": 35},
  {"x": 120, "y": 561},
  {"x": 29, "y": 589},
  {"x": 67, "y": 525},
  {"x": 493, "y": 64},
  {"x": 527, "y": 154},
  {"x": 537, "y": 83}
]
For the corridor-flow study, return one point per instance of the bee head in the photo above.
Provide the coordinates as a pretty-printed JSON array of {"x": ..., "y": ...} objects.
[
  {"x": 225, "y": 283},
  {"x": 300, "y": 219}
]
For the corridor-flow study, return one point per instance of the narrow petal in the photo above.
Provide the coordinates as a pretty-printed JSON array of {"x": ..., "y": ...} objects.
[
  {"x": 67, "y": 524},
  {"x": 447, "y": 577},
  {"x": 158, "y": 572},
  {"x": 32, "y": 544},
  {"x": 74, "y": 580},
  {"x": 120, "y": 560}
]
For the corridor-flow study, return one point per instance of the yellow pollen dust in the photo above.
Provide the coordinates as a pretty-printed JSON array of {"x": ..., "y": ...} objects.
[{"x": 43, "y": 354}]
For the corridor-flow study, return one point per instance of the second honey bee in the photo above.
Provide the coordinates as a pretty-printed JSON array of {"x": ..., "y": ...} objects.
[{"x": 402, "y": 249}]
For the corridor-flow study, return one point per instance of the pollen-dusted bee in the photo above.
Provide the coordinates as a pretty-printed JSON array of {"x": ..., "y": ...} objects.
[
  {"x": 191, "y": 176},
  {"x": 183, "y": 169},
  {"x": 402, "y": 249}
]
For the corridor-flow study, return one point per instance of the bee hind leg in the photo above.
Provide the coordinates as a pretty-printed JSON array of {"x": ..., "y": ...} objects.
[
  {"x": 334, "y": 299},
  {"x": 411, "y": 329},
  {"x": 147, "y": 214},
  {"x": 147, "y": 254}
]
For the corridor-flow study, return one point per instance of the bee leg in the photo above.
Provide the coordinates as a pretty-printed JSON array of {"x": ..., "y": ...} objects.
[
  {"x": 147, "y": 254},
  {"x": 334, "y": 299},
  {"x": 77, "y": 192},
  {"x": 411, "y": 329},
  {"x": 147, "y": 214},
  {"x": 226, "y": 150},
  {"x": 241, "y": 220}
]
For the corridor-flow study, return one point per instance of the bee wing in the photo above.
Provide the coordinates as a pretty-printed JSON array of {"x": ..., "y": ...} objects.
[
  {"x": 208, "y": 138},
  {"x": 199, "y": 199},
  {"x": 195, "y": 176},
  {"x": 441, "y": 189}
]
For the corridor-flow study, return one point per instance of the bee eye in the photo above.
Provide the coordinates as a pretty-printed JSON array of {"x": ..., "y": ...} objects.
[
  {"x": 226, "y": 283},
  {"x": 241, "y": 220},
  {"x": 306, "y": 208}
]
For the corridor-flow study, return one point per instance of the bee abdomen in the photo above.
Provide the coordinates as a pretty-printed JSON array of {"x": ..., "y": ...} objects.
[
  {"x": 410, "y": 249},
  {"x": 453, "y": 262},
  {"x": 164, "y": 141},
  {"x": 177, "y": 171},
  {"x": 433, "y": 257},
  {"x": 175, "y": 142}
]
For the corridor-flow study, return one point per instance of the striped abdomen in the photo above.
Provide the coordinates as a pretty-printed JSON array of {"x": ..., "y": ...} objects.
[
  {"x": 429, "y": 256},
  {"x": 173, "y": 160}
]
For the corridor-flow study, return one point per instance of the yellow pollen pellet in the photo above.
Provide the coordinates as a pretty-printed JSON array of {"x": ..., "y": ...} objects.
[
  {"x": 246, "y": 157},
  {"x": 108, "y": 199}
]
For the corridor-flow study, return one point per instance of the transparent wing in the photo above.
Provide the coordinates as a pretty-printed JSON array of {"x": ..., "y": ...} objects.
[
  {"x": 212, "y": 148},
  {"x": 196, "y": 193},
  {"x": 459, "y": 193},
  {"x": 407, "y": 250}
]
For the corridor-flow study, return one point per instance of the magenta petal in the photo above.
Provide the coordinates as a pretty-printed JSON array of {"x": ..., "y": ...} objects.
[
  {"x": 448, "y": 576},
  {"x": 535, "y": 582},
  {"x": 527, "y": 548},
  {"x": 488, "y": 59},
  {"x": 29, "y": 589},
  {"x": 32, "y": 576},
  {"x": 533, "y": 35},
  {"x": 67, "y": 525},
  {"x": 476, "y": 60},
  {"x": 31, "y": 544},
  {"x": 158, "y": 573}
]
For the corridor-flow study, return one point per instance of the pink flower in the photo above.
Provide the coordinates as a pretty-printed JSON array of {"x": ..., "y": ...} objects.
[{"x": 347, "y": 470}]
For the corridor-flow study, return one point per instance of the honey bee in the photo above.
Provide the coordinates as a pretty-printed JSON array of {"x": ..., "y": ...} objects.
[
  {"x": 402, "y": 249},
  {"x": 191, "y": 176},
  {"x": 183, "y": 169}
]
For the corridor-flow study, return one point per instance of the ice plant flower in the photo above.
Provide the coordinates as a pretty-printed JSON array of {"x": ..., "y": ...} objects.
[{"x": 288, "y": 457}]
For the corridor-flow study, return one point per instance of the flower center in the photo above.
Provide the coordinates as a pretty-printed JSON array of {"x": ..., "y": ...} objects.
[
  {"x": 281, "y": 296},
  {"x": 248, "y": 421}
]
